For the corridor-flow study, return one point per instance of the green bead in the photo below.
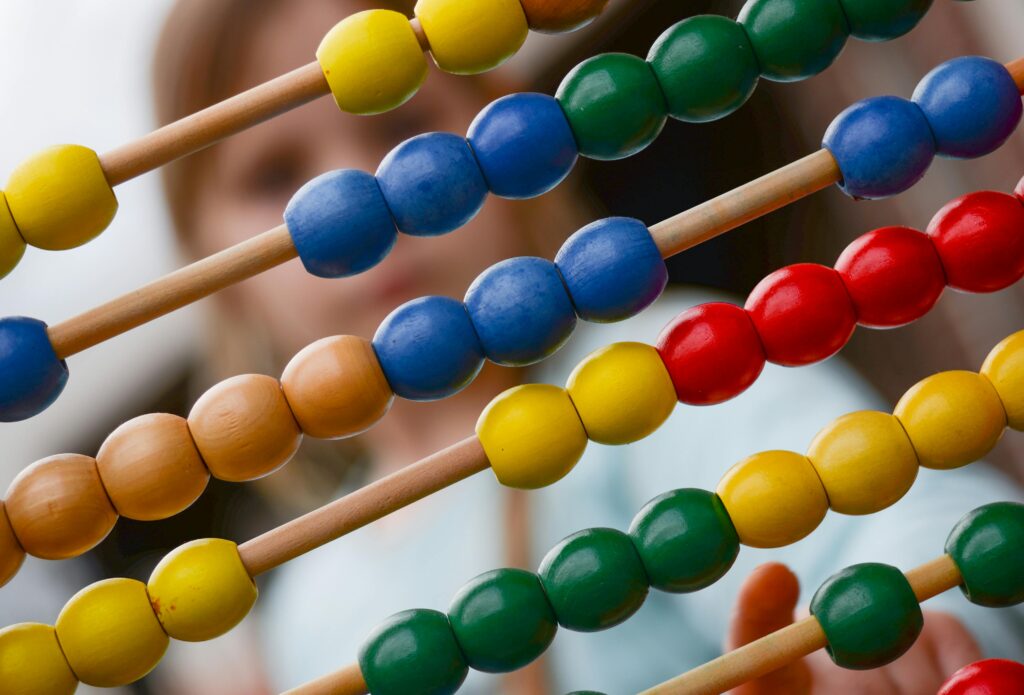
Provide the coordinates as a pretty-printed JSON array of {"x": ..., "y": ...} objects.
[
  {"x": 869, "y": 614},
  {"x": 794, "y": 39},
  {"x": 685, "y": 540},
  {"x": 594, "y": 579},
  {"x": 502, "y": 620},
  {"x": 987, "y": 546},
  {"x": 706, "y": 67},
  {"x": 882, "y": 20},
  {"x": 413, "y": 651},
  {"x": 614, "y": 105}
]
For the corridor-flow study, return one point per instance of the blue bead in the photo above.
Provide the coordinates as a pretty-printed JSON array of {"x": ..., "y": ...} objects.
[
  {"x": 428, "y": 349},
  {"x": 524, "y": 145},
  {"x": 340, "y": 224},
  {"x": 31, "y": 374},
  {"x": 972, "y": 105},
  {"x": 432, "y": 183},
  {"x": 521, "y": 311},
  {"x": 612, "y": 268},
  {"x": 883, "y": 146}
]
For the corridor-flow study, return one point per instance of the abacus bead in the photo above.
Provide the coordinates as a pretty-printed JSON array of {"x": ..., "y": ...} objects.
[
  {"x": 336, "y": 387},
  {"x": 594, "y": 579},
  {"x": 1019, "y": 190},
  {"x": 706, "y": 68},
  {"x": 774, "y": 498},
  {"x": 987, "y": 677},
  {"x": 60, "y": 197},
  {"x": 882, "y": 145},
  {"x": 685, "y": 539},
  {"x": 612, "y": 269},
  {"x": 244, "y": 428},
  {"x": 559, "y": 16},
  {"x": 802, "y": 314},
  {"x": 1004, "y": 368},
  {"x": 794, "y": 39},
  {"x": 201, "y": 590},
  {"x": 428, "y": 348},
  {"x": 31, "y": 374},
  {"x": 952, "y": 418},
  {"x": 372, "y": 61},
  {"x": 882, "y": 20},
  {"x": 869, "y": 615},
  {"x": 109, "y": 633},
  {"x": 150, "y": 467},
  {"x": 622, "y": 393},
  {"x": 340, "y": 224},
  {"x": 532, "y": 435},
  {"x": 502, "y": 620},
  {"x": 58, "y": 507},
  {"x": 524, "y": 145},
  {"x": 414, "y": 651},
  {"x": 865, "y": 461},
  {"x": 432, "y": 184},
  {"x": 468, "y": 37},
  {"x": 893, "y": 275},
  {"x": 614, "y": 105},
  {"x": 32, "y": 663},
  {"x": 12, "y": 246},
  {"x": 985, "y": 545},
  {"x": 12, "y": 555}
]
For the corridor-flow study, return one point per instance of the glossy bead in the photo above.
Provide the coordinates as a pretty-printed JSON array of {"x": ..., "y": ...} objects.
[
  {"x": 613, "y": 269},
  {"x": 986, "y": 547},
  {"x": 201, "y": 590},
  {"x": 774, "y": 498},
  {"x": 865, "y": 461},
  {"x": 987, "y": 677},
  {"x": 893, "y": 275},
  {"x": 60, "y": 197},
  {"x": 802, "y": 314},
  {"x": 31, "y": 374},
  {"x": 502, "y": 620},
  {"x": 32, "y": 663},
  {"x": 58, "y": 507},
  {"x": 244, "y": 428},
  {"x": 883, "y": 20},
  {"x": 428, "y": 348},
  {"x": 12, "y": 246},
  {"x": 413, "y": 651},
  {"x": 109, "y": 633},
  {"x": 340, "y": 224},
  {"x": 524, "y": 145},
  {"x": 794, "y": 39},
  {"x": 12, "y": 555},
  {"x": 336, "y": 387},
  {"x": 980, "y": 239},
  {"x": 468, "y": 37},
  {"x": 1019, "y": 190},
  {"x": 685, "y": 539},
  {"x": 532, "y": 435},
  {"x": 622, "y": 393},
  {"x": 1004, "y": 368},
  {"x": 372, "y": 61},
  {"x": 882, "y": 145},
  {"x": 614, "y": 104},
  {"x": 594, "y": 579},
  {"x": 952, "y": 418},
  {"x": 521, "y": 311},
  {"x": 869, "y": 614},
  {"x": 559, "y": 16}
]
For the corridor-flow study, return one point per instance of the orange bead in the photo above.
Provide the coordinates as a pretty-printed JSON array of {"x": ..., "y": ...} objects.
[
  {"x": 11, "y": 552},
  {"x": 151, "y": 468},
  {"x": 557, "y": 16},
  {"x": 58, "y": 507},
  {"x": 244, "y": 428}
]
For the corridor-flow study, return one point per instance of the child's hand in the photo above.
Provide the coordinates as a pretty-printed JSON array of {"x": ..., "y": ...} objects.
[{"x": 767, "y": 602}]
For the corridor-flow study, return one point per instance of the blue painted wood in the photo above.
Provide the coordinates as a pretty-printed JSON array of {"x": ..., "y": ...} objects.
[{"x": 31, "y": 374}]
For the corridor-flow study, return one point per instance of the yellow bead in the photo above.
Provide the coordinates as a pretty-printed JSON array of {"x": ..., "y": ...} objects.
[
  {"x": 32, "y": 663},
  {"x": 468, "y": 37},
  {"x": 60, "y": 198},
  {"x": 773, "y": 498},
  {"x": 12, "y": 246},
  {"x": 109, "y": 633},
  {"x": 532, "y": 436},
  {"x": 865, "y": 460},
  {"x": 1004, "y": 367},
  {"x": 201, "y": 590},
  {"x": 373, "y": 62},
  {"x": 953, "y": 418},
  {"x": 622, "y": 392}
]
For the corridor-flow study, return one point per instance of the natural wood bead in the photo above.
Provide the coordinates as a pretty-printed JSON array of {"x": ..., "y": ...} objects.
[
  {"x": 58, "y": 507},
  {"x": 11, "y": 552},
  {"x": 556, "y": 16},
  {"x": 151, "y": 468},
  {"x": 244, "y": 428}
]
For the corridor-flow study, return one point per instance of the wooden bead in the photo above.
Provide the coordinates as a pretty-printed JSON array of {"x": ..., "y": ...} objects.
[
  {"x": 244, "y": 428},
  {"x": 12, "y": 246},
  {"x": 774, "y": 498},
  {"x": 32, "y": 663},
  {"x": 794, "y": 39},
  {"x": 558, "y": 16},
  {"x": 336, "y": 387},
  {"x": 414, "y": 651},
  {"x": 1004, "y": 368},
  {"x": 985, "y": 545},
  {"x": 987, "y": 677},
  {"x": 12, "y": 555},
  {"x": 58, "y": 507},
  {"x": 468, "y": 37},
  {"x": 883, "y": 20},
  {"x": 32, "y": 376}
]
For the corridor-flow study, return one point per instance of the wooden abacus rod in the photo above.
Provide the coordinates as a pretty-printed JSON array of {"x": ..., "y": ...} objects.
[
  {"x": 1016, "y": 68},
  {"x": 347, "y": 681}
]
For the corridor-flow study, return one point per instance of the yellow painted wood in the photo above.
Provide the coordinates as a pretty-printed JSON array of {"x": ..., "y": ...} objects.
[
  {"x": 32, "y": 663},
  {"x": 1004, "y": 367},
  {"x": 468, "y": 37},
  {"x": 12, "y": 246}
]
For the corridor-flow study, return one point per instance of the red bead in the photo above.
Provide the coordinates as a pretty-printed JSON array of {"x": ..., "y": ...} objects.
[
  {"x": 803, "y": 314},
  {"x": 712, "y": 353},
  {"x": 980, "y": 239},
  {"x": 988, "y": 677},
  {"x": 894, "y": 276}
]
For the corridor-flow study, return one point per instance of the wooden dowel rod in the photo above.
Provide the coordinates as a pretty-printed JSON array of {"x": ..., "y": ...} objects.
[
  {"x": 347, "y": 681},
  {"x": 1016, "y": 68},
  {"x": 933, "y": 578}
]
